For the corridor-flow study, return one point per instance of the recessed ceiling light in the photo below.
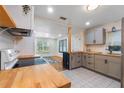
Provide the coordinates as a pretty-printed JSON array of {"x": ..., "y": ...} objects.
[
  {"x": 92, "y": 7},
  {"x": 87, "y": 23},
  {"x": 50, "y": 9},
  {"x": 60, "y": 35}
]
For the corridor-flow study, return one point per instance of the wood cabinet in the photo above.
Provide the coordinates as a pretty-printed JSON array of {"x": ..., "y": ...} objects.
[
  {"x": 99, "y": 36},
  {"x": 114, "y": 67},
  {"x": 89, "y": 37},
  {"x": 5, "y": 18},
  {"x": 101, "y": 64},
  {"x": 90, "y": 61},
  {"x": 108, "y": 65},
  {"x": 75, "y": 60},
  {"x": 84, "y": 60},
  {"x": 95, "y": 36}
]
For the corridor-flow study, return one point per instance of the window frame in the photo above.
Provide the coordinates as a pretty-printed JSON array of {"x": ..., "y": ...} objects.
[{"x": 62, "y": 44}]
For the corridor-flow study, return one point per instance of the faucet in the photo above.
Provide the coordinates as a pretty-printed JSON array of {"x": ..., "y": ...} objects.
[{"x": 110, "y": 50}]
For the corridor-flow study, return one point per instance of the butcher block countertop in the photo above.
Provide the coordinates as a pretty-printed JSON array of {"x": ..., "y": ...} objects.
[
  {"x": 98, "y": 53},
  {"x": 36, "y": 76}
]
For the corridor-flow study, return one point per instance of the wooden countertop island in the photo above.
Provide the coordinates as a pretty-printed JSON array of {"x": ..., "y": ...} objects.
[{"x": 36, "y": 76}]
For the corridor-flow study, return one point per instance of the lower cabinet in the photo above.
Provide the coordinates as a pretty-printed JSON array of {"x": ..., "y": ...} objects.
[
  {"x": 76, "y": 60},
  {"x": 89, "y": 61},
  {"x": 108, "y": 65},
  {"x": 84, "y": 60},
  {"x": 114, "y": 67},
  {"x": 101, "y": 64}
]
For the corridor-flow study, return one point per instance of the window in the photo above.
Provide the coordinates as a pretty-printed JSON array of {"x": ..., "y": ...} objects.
[
  {"x": 63, "y": 45},
  {"x": 42, "y": 45}
]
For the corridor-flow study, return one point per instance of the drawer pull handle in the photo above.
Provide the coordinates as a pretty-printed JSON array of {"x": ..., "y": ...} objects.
[
  {"x": 106, "y": 61},
  {"x": 89, "y": 63}
]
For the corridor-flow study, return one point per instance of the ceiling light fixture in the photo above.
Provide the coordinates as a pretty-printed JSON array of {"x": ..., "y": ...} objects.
[
  {"x": 87, "y": 23},
  {"x": 92, "y": 7},
  {"x": 50, "y": 9}
]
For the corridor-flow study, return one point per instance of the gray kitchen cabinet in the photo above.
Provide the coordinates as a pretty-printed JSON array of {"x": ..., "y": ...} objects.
[
  {"x": 110, "y": 66},
  {"x": 78, "y": 59},
  {"x": 90, "y": 61},
  {"x": 114, "y": 67},
  {"x": 84, "y": 60},
  {"x": 75, "y": 60},
  {"x": 99, "y": 36},
  {"x": 89, "y": 37},
  {"x": 101, "y": 64},
  {"x": 95, "y": 36},
  {"x": 72, "y": 61}
]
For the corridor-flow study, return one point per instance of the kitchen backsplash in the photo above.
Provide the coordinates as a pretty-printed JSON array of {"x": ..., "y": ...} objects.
[{"x": 6, "y": 41}]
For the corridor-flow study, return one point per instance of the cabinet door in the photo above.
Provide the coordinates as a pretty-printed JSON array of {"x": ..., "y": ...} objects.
[
  {"x": 101, "y": 64},
  {"x": 84, "y": 60},
  {"x": 99, "y": 36},
  {"x": 72, "y": 61},
  {"x": 114, "y": 67},
  {"x": 78, "y": 60},
  {"x": 75, "y": 60},
  {"x": 89, "y": 37}
]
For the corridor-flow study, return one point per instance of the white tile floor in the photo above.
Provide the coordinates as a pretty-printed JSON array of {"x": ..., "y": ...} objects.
[{"x": 83, "y": 78}]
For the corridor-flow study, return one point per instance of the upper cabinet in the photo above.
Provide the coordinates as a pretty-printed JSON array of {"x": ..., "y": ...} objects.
[
  {"x": 5, "y": 18},
  {"x": 95, "y": 36},
  {"x": 89, "y": 37},
  {"x": 21, "y": 19}
]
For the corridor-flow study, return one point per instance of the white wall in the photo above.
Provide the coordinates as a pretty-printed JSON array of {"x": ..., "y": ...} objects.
[
  {"x": 21, "y": 19},
  {"x": 6, "y": 41},
  {"x": 25, "y": 45},
  {"x": 53, "y": 28},
  {"x": 78, "y": 40}
]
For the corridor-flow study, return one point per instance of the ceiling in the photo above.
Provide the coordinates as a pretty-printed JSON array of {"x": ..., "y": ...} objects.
[{"x": 78, "y": 16}]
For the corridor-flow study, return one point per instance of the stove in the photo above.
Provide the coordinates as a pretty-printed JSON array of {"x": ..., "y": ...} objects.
[
  {"x": 8, "y": 58},
  {"x": 29, "y": 62}
]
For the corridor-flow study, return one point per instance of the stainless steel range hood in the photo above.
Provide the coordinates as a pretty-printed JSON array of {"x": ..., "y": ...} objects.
[
  {"x": 18, "y": 31},
  {"x": 9, "y": 25}
]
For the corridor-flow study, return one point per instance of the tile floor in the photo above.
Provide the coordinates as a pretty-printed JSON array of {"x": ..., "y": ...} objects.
[{"x": 83, "y": 78}]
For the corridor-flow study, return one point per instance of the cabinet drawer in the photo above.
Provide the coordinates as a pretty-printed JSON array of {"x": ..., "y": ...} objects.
[
  {"x": 100, "y": 57},
  {"x": 90, "y": 65},
  {"x": 115, "y": 59},
  {"x": 89, "y": 58}
]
